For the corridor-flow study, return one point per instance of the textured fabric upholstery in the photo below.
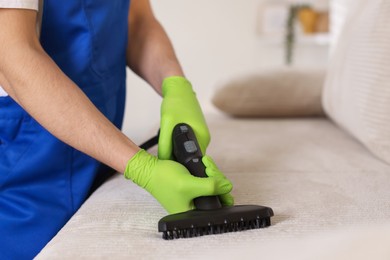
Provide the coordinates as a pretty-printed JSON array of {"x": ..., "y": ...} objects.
[
  {"x": 318, "y": 180},
  {"x": 357, "y": 91}
]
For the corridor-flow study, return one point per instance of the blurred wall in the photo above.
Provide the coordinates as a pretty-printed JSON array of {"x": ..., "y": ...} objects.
[{"x": 215, "y": 41}]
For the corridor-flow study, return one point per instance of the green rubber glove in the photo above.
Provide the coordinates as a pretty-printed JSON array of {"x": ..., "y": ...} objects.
[
  {"x": 180, "y": 105},
  {"x": 212, "y": 171},
  {"x": 171, "y": 183}
]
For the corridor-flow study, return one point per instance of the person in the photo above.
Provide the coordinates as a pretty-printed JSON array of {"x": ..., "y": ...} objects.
[{"x": 62, "y": 105}]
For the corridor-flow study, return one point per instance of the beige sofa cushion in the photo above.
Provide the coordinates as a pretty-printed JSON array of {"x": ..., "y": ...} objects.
[
  {"x": 287, "y": 92},
  {"x": 357, "y": 90},
  {"x": 314, "y": 175}
]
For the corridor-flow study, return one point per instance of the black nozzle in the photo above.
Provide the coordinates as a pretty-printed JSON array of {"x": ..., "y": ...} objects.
[
  {"x": 209, "y": 217},
  {"x": 207, "y": 222}
]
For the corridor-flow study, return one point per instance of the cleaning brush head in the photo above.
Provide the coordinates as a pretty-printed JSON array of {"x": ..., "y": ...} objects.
[
  {"x": 209, "y": 217},
  {"x": 196, "y": 222}
]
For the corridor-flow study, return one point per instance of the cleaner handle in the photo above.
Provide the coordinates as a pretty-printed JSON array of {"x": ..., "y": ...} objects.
[{"x": 186, "y": 151}]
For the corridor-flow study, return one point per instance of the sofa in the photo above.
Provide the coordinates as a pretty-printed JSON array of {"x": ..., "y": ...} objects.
[{"x": 326, "y": 174}]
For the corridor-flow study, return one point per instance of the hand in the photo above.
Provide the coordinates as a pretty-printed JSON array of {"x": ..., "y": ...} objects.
[
  {"x": 180, "y": 105},
  {"x": 213, "y": 171},
  {"x": 171, "y": 183}
]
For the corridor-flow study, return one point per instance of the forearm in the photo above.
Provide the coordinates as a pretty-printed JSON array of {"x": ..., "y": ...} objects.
[
  {"x": 150, "y": 53},
  {"x": 47, "y": 94}
]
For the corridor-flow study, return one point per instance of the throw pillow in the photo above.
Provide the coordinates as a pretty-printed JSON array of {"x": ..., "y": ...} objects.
[{"x": 287, "y": 92}]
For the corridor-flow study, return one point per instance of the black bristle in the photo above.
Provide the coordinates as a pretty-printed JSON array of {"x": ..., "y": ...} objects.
[
  {"x": 197, "y": 223},
  {"x": 210, "y": 229},
  {"x": 216, "y": 229}
]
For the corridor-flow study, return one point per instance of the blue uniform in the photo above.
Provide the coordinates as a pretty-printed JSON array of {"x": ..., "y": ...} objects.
[{"x": 42, "y": 180}]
